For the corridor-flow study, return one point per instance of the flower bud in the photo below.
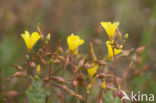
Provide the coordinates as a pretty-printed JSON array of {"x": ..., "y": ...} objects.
[
  {"x": 47, "y": 38},
  {"x": 38, "y": 69},
  {"x": 87, "y": 66},
  {"x": 81, "y": 62},
  {"x": 75, "y": 83},
  {"x": 27, "y": 57},
  {"x": 103, "y": 85},
  {"x": 141, "y": 49},
  {"x": 126, "y": 36},
  {"x": 51, "y": 61},
  {"x": 17, "y": 67},
  {"x": 134, "y": 57},
  {"x": 57, "y": 61},
  {"x": 88, "y": 92},
  {"x": 18, "y": 74}
]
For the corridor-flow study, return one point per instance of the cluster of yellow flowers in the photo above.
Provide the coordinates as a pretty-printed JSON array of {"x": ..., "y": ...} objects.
[
  {"x": 75, "y": 41},
  {"x": 110, "y": 30}
]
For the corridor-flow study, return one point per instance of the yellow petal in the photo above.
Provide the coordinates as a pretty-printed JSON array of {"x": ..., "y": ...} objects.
[
  {"x": 34, "y": 38},
  {"x": 93, "y": 70},
  {"x": 26, "y": 38},
  {"x": 110, "y": 28},
  {"x": 110, "y": 50}
]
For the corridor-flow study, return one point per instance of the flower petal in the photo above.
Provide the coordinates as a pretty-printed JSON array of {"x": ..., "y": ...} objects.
[
  {"x": 26, "y": 38},
  {"x": 34, "y": 38}
]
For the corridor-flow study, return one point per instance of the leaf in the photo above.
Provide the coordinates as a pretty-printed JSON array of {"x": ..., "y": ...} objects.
[
  {"x": 36, "y": 93},
  {"x": 108, "y": 98}
]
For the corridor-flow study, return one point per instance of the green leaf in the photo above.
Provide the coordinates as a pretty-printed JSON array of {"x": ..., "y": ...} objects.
[
  {"x": 36, "y": 93},
  {"x": 108, "y": 98}
]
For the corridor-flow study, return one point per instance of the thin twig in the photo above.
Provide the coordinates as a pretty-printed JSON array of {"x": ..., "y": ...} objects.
[
  {"x": 115, "y": 62},
  {"x": 50, "y": 69},
  {"x": 100, "y": 96},
  {"x": 69, "y": 91}
]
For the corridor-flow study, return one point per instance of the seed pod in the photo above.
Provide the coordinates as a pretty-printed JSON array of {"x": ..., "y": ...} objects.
[
  {"x": 87, "y": 66},
  {"x": 18, "y": 74},
  {"x": 61, "y": 58},
  {"x": 81, "y": 62},
  {"x": 74, "y": 83},
  {"x": 127, "y": 52},
  {"x": 17, "y": 67},
  {"x": 42, "y": 60},
  {"x": 101, "y": 62},
  {"x": 140, "y": 49},
  {"x": 57, "y": 61}
]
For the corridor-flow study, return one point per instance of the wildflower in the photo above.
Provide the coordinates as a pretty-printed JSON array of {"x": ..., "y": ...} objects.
[
  {"x": 30, "y": 40},
  {"x": 92, "y": 71},
  {"x": 110, "y": 50},
  {"x": 103, "y": 85},
  {"x": 110, "y": 28},
  {"x": 74, "y": 42},
  {"x": 38, "y": 69}
]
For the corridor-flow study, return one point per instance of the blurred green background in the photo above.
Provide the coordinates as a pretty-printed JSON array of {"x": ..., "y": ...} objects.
[{"x": 82, "y": 17}]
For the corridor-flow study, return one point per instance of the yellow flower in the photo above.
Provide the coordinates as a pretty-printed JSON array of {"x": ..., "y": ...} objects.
[
  {"x": 38, "y": 69},
  {"x": 110, "y": 28},
  {"x": 103, "y": 85},
  {"x": 110, "y": 50},
  {"x": 30, "y": 40},
  {"x": 74, "y": 42},
  {"x": 93, "y": 70}
]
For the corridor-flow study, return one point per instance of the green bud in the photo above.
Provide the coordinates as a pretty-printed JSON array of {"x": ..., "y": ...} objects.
[
  {"x": 37, "y": 77},
  {"x": 46, "y": 42},
  {"x": 126, "y": 36},
  {"x": 27, "y": 57},
  {"x": 51, "y": 61},
  {"x": 88, "y": 92},
  {"x": 47, "y": 38}
]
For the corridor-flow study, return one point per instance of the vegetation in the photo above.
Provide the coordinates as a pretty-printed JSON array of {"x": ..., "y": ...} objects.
[{"x": 77, "y": 60}]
